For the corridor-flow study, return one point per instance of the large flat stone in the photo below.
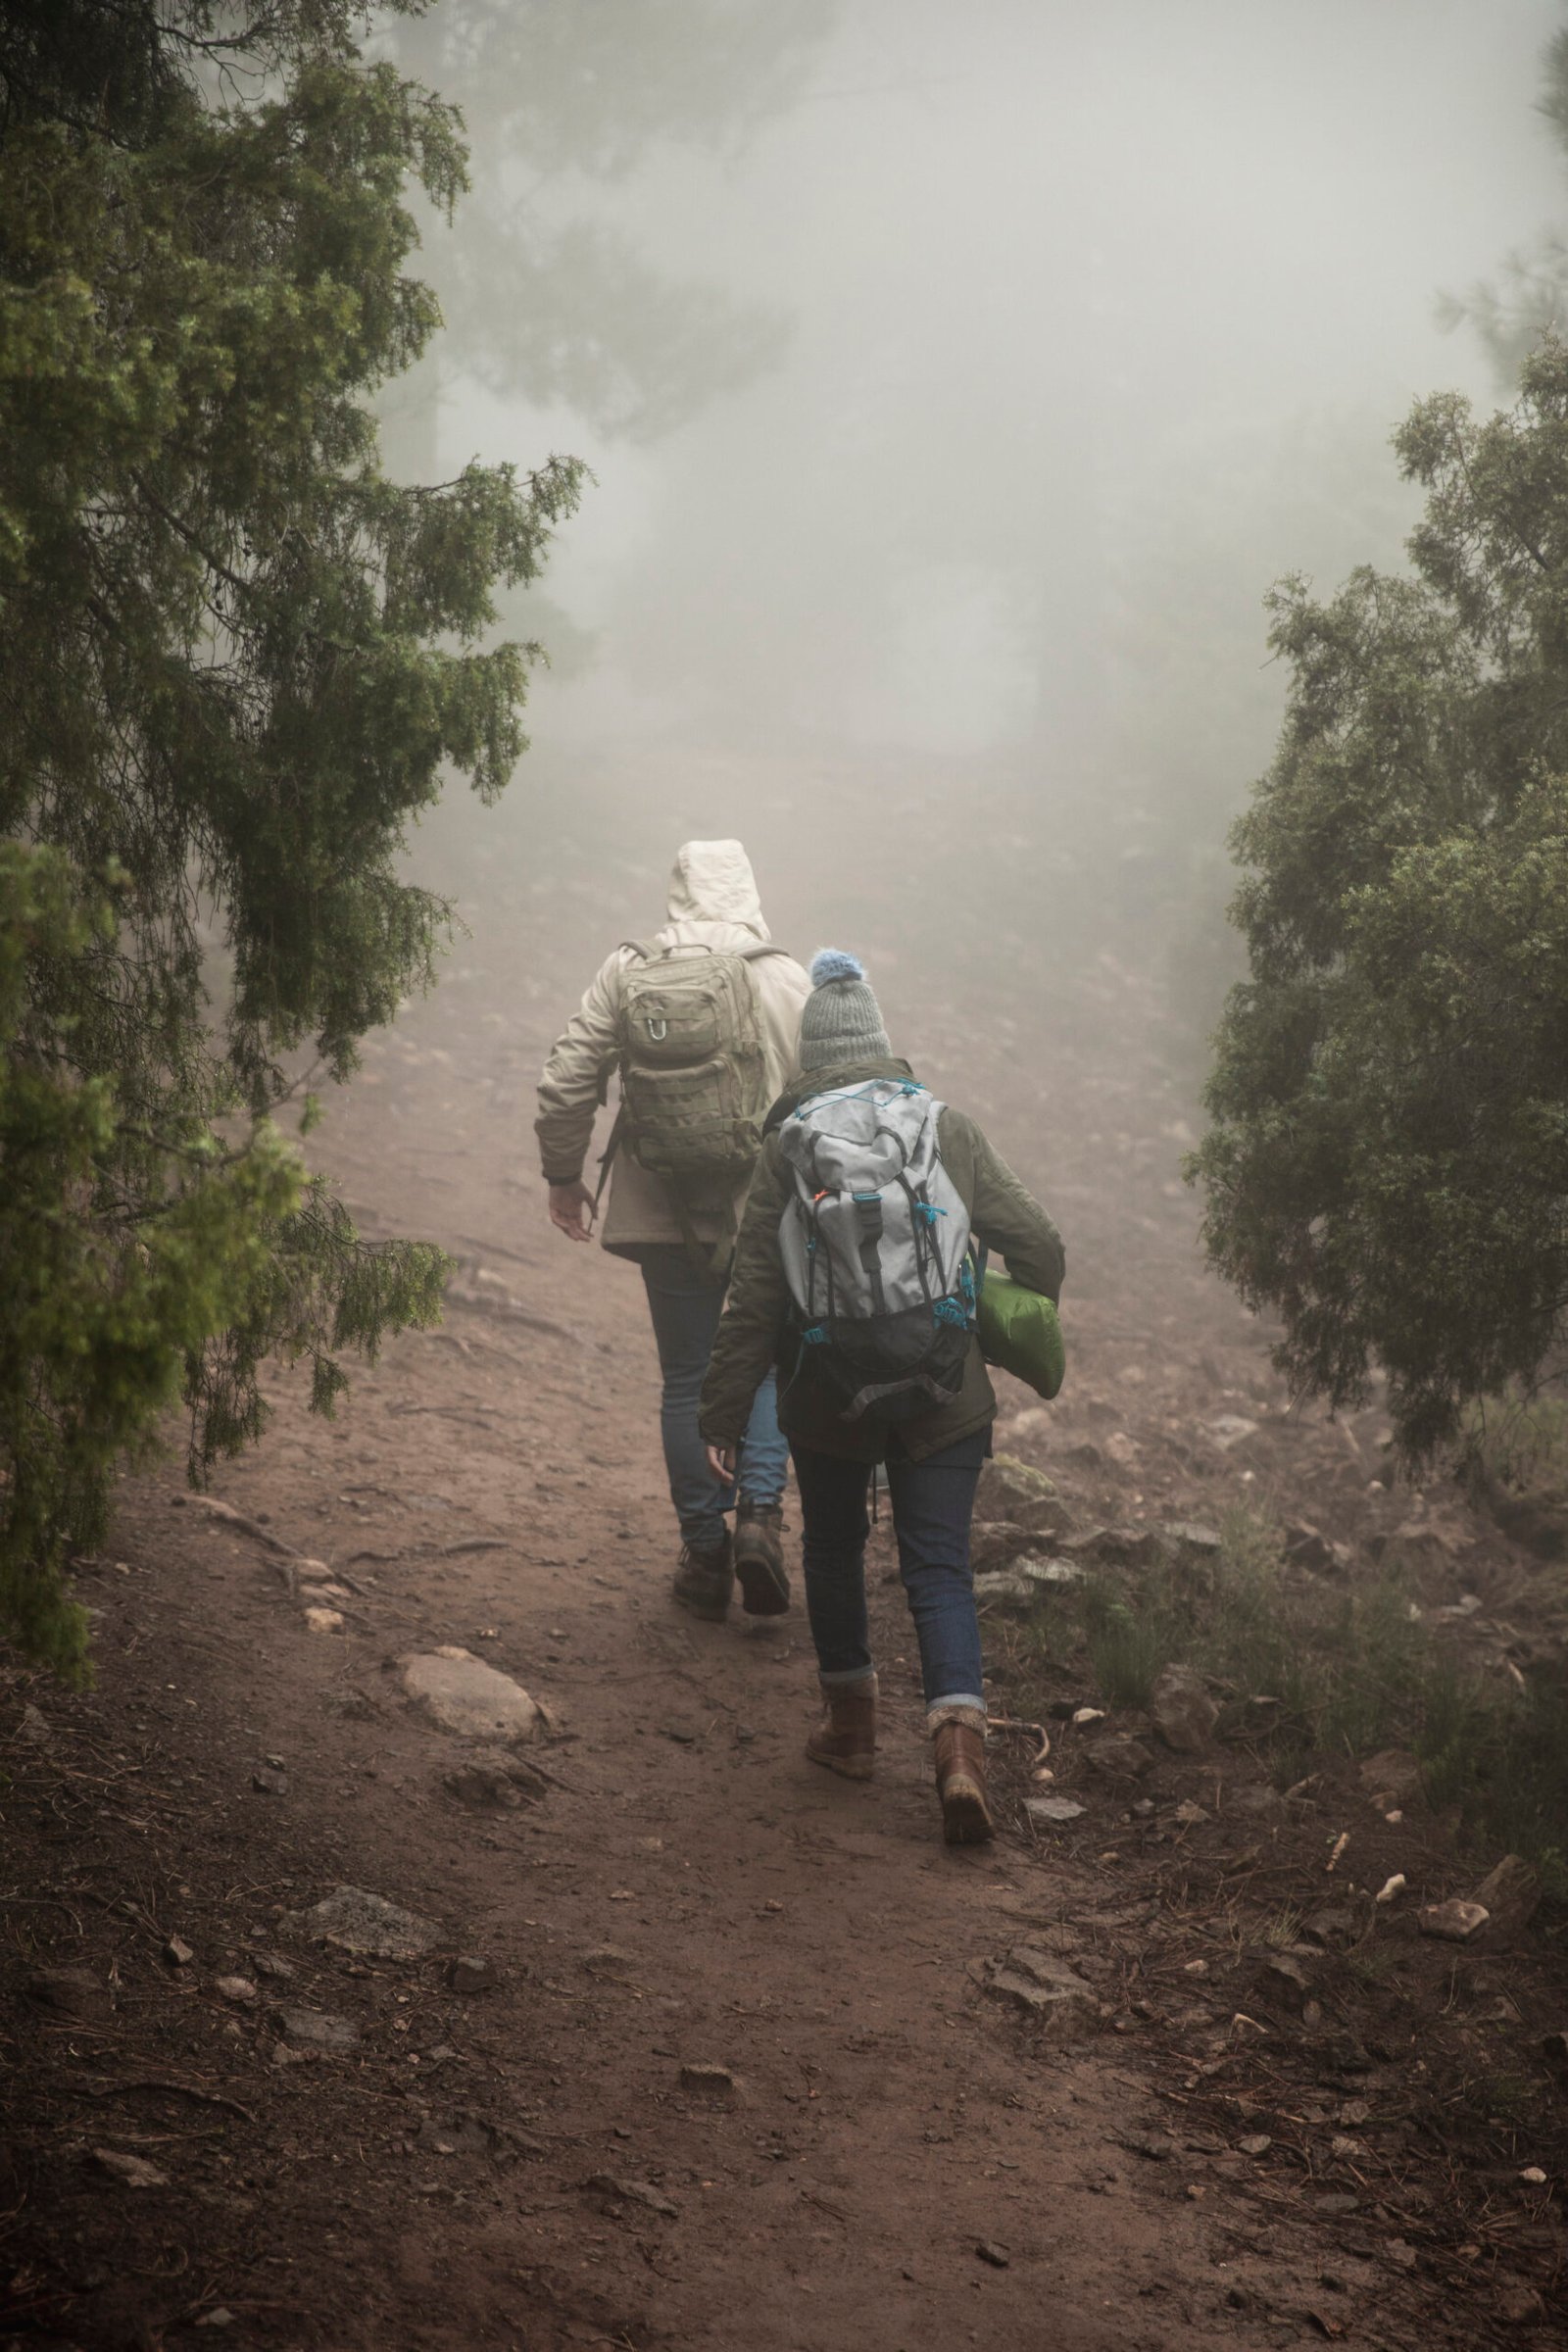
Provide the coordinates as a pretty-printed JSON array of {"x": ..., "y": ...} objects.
[
  {"x": 464, "y": 1696},
  {"x": 357, "y": 1921}
]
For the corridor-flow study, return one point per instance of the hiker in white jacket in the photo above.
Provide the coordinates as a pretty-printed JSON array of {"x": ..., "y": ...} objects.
[{"x": 681, "y": 1232}]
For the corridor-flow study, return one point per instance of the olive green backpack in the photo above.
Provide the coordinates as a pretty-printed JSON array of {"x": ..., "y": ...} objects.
[{"x": 693, "y": 1087}]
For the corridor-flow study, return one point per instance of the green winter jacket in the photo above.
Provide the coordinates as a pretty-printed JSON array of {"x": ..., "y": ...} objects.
[{"x": 759, "y": 1328}]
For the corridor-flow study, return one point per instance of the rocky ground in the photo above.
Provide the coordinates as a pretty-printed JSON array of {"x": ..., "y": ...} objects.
[{"x": 336, "y": 2018}]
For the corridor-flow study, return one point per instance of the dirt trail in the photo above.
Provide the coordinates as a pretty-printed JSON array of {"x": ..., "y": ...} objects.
[{"x": 527, "y": 2165}]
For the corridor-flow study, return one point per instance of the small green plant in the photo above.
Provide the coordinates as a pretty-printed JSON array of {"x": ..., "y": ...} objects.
[
  {"x": 1127, "y": 1646},
  {"x": 1284, "y": 1929},
  {"x": 1353, "y": 1672}
]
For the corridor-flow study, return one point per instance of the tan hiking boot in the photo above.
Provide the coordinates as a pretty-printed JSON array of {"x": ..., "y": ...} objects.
[
  {"x": 845, "y": 1739},
  {"x": 961, "y": 1749},
  {"x": 705, "y": 1579},
  {"x": 759, "y": 1559}
]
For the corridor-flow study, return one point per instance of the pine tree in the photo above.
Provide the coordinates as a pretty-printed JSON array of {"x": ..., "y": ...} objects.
[
  {"x": 1388, "y": 1168},
  {"x": 239, "y": 662}
]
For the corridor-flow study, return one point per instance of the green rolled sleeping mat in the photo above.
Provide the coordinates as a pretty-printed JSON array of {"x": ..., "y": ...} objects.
[{"x": 1019, "y": 1331}]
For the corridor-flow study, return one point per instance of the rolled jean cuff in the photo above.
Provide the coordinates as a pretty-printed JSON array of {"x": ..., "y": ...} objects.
[
  {"x": 956, "y": 1706},
  {"x": 847, "y": 1677}
]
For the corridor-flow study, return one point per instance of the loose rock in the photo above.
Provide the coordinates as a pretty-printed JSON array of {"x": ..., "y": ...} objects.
[
  {"x": 1006, "y": 1478},
  {"x": 355, "y": 1921},
  {"x": 463, "y": 1694},
  {"x": 1121, "y": 1547},
  {"x": 324, "y": 1621},
  {"x": 1510, "y": 1893},
  {"x": 239, "y": 1990},
  {"x": 1192, "y": 1541},
  {"x": 1044, "y": 1570},
  {"x": 498, "y": 1785},
  {"x": 469, "y": 1973},
  {"x": 989, "y": 2251},
  {"x": 132, "y": 2172},
  {"x": 1052, "y": 1808},
  {"x": 1003, "y": 1588},
  {"x": 1285, "y": 1981},
  {"x": 1184, "y": 1713},
  {"x": 68, "y": 1992},
  {"x": 997, "y": 1544},
  {"x": 177, "y": 1952},
  {"x": 1050, "y": 1991},
  {"x": 316, "y": 2029},
  {"x": 1333, "y": 1926},
  {"x": 708, "y": 2080},
  {"x": 1454, "y": 1922},
  {"x": 631, "y": 2193}
]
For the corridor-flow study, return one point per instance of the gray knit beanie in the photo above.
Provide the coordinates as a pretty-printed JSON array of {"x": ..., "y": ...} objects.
[{"x": 842, "y": 1021}]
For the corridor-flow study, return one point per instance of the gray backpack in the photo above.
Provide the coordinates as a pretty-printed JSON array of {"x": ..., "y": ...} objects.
[{"x": 875, "y": 1243}]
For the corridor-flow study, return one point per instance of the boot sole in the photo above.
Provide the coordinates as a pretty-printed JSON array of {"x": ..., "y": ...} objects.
[
  {"x": 966, "y": 1815},
  {"x": 764, "y": 1588},
  {"x": 848, "y": 1768},
  {"x": 711, "y": 1612}
]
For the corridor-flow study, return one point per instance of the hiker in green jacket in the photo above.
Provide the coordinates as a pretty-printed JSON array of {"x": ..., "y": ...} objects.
[{"x": 933, "y": 1455}]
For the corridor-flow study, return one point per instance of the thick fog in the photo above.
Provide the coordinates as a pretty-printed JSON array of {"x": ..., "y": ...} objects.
[{"x": 1065, "y": 329}]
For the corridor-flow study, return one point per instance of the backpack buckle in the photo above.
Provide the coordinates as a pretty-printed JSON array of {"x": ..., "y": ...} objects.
[{"x": 658, "y": 1029}]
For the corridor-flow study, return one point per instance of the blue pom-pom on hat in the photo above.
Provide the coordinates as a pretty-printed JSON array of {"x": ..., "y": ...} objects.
[{"x": 835, "y": 963}]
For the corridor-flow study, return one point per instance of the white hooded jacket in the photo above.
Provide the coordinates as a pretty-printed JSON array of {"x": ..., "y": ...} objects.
[{"x": 713, "y": 904}]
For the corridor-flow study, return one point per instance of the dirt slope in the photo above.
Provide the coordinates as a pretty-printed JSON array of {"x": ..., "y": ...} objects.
[{"x": 527, "y": 2164}]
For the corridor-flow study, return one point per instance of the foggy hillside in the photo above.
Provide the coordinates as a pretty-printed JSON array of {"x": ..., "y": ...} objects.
[{"x": 880, "y": 426}]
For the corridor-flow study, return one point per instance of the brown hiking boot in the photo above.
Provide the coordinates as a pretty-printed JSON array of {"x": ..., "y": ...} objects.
[
  {"x": 845, "y": 1739},
  {"x": 759, "y": 1559},
  {"x": 961, "y": 1746},
  {"x": 705, "y": 1579}
]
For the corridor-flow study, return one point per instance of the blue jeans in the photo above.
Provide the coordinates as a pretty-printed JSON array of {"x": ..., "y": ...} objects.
[
  {"x": 685, "y": 1307},
  {"x": 933, "y": 1503}
]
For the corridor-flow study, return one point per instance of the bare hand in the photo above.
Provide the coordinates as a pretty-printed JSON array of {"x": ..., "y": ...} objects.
[
  {"x": 572, "y": 1210},
  {"x": 721, "y": 1462}
]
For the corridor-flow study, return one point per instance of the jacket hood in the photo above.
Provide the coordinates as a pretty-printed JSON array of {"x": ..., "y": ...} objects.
[{"x": 714, "y": 883}]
